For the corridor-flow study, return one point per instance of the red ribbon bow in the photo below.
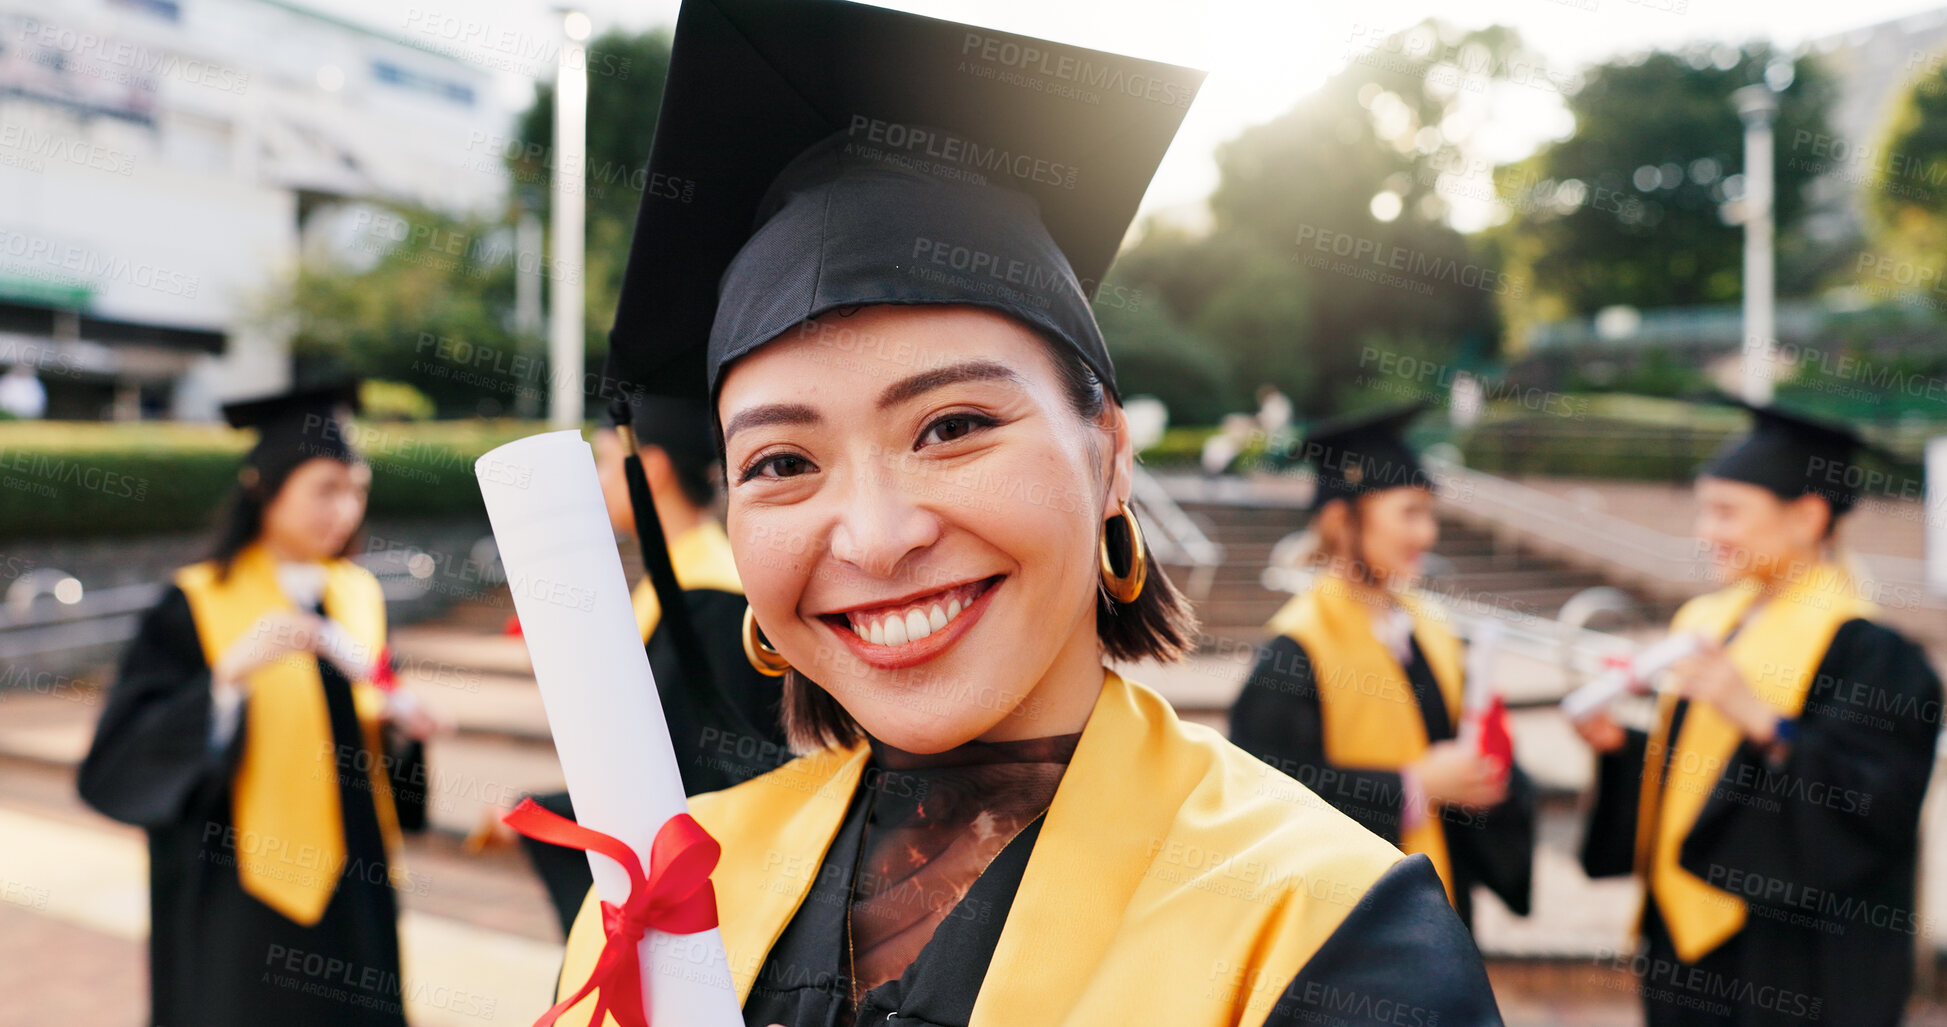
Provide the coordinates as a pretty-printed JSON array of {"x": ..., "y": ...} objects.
[{"x": 675, "y": 897}]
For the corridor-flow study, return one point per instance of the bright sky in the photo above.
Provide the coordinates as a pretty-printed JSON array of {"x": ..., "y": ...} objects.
[{"x": 1263, "y": 55}]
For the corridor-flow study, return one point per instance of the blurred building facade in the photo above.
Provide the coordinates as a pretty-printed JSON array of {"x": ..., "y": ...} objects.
[{"x": 162, "y": 163}]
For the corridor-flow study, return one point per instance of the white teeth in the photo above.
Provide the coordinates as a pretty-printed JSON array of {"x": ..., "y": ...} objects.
[{"x": 913, "y": 625}]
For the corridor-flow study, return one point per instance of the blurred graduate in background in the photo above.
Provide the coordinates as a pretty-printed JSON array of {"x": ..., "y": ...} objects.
[
  {"x": 1360, "y": 695},
  {"x": 1773, "y": 809},
  {"x": 248, "y": 732}
]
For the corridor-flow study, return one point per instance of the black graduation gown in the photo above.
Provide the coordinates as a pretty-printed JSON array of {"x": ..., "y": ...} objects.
[
  {"x": 1277, "y": 718},
  {"x": 218, "y": 956},
  {"x": 725, "y": 732},
  {"x": 1821, "y": 846},
  {"x": 1402, "y": 956}
]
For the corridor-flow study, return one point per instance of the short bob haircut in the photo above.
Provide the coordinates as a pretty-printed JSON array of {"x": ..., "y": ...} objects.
[{"x": 1158, "y": 625}]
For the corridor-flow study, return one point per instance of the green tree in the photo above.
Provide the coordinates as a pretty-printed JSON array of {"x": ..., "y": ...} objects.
[
  {"x": 1330, "y": 224},
  {"x": 1906, "y": 178},
  {"x": 433, "y": 310},
  {"x": 1628, "y": 209}
]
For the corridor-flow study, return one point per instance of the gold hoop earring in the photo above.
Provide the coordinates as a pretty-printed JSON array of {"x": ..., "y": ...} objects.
[
  {"x": 1125, "y": 587},
  {"x": 767, "y": 661}
]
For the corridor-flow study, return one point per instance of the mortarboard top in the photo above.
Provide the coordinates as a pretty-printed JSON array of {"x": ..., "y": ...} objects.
[
  {"x": 1364, "y": 452},
  {"x": 1792, "y": 454},
  {"x": 929, "y": 162},
  {"x": 297, "y": 425},
  {"x": 315, "y": 400}
]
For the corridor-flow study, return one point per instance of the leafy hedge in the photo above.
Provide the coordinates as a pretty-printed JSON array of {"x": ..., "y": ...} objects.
[{"x": 74, "y": 479}]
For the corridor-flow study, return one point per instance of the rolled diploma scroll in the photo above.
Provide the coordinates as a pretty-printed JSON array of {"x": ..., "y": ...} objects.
[
  {"x": 1610, "y": 685},
  {"x": 1482, "y": 650},
  {"x": 565, "y": 573}
]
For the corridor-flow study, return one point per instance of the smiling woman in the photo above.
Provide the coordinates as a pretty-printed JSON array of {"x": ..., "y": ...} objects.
[{"x": 929, "y": 475}]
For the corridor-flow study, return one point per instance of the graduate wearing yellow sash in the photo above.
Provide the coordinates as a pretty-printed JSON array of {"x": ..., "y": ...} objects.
[
  {"x": 244, "y": 731},
  {"x": 1359, "y": 695},
  {"x": 1773, "y": 809},
  {"x": 881, "y": 288}
]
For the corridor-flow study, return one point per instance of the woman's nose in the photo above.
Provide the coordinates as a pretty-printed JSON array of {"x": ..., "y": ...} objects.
[{"x": 880, "y": 525}]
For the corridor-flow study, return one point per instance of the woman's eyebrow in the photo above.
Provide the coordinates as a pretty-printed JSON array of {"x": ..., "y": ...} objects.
[
  {"x": 771, "y": 413},
  {"x": 926, "y": 381}
]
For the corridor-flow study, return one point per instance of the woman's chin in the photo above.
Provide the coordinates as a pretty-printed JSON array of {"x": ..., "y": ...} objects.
[{"x": 915, "y": 731}]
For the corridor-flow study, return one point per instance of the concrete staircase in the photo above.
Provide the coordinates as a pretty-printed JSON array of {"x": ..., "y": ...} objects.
[{"x": 1468, "y": 564}]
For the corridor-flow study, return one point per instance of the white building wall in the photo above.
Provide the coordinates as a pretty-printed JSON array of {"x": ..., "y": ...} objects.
[{"x": 153, "y": 169}]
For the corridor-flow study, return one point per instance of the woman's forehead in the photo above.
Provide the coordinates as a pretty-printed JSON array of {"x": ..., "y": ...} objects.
[{"x": 888, "y": 353}]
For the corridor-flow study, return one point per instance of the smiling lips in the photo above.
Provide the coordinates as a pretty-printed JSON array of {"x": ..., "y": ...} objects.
[{"x": 913, "y": 620}]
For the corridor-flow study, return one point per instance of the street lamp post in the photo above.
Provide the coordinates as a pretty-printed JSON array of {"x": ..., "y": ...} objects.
[
  {"x": 1758, "y": 106},
  {"x": 565, "y": 343}
]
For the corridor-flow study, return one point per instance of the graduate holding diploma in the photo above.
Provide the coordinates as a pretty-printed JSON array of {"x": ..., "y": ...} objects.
[
  {"x": 1773, "y": 812},
  {"x": 1359, "y": 696},
  {"x": 246, "y": 732},
  {"x": 881, "y": 289}
]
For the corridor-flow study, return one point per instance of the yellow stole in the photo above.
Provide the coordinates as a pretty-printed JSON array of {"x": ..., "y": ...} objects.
[
  {"x": 1191, "y": 882},
  {"x": 1372, "y": 721},
  {"x": 1778, "y": 651},
  {"x": 701, "y": 557},
  {"x": 290, "y": 844}
]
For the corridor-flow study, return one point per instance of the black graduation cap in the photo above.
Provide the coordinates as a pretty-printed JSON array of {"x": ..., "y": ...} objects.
[
  {"x": 1364, "y": 452},
  {"x": 294, "y": 426},
  {"x": 812, "y": 155},
  {"x": 1792, "y": 455}
]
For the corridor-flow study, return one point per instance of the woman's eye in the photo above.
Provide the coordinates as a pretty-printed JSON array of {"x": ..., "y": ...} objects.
[
  {"x": 951, "y": 427},
  {"x": 783, "y": 465}
]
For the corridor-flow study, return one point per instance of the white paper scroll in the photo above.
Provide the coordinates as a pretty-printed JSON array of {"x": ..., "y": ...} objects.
[
  {"x": 1611, "y": 684},
  {"x": 562, "y": 566},
  {"x": 1482, "y": 651}
]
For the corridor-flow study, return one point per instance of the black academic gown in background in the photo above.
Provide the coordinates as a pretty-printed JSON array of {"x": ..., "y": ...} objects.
[
  {"x": 725, "y": 731},
  {"x": 1278, "y": 719},
  {"x": 218, "y": 957},
  {"x": 1822, "y": 847},
  {"x": 1402, "y": 955}
]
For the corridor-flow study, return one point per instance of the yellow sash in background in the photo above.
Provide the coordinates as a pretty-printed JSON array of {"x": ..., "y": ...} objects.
[
  {"x": 1372, "y": 721},
  {"x": 702, "y": 560},
  {"x": 290, "y": 840},
  {"x": 1778, "y": 651}
]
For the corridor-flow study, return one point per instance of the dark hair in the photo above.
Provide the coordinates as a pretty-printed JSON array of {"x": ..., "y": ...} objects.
[
  {"x": 695, "y": 472},
  {"x": 1158, "y": 624},
  {"x": 242, "y": 519}
]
